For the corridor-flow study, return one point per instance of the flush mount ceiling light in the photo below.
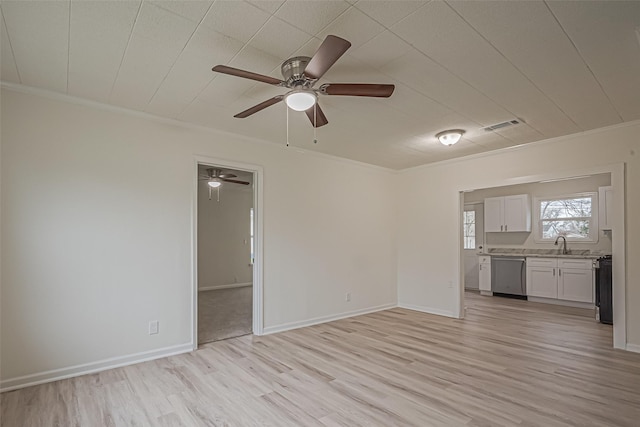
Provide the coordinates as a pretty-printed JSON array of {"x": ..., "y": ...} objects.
[
  {"x": 301, "y": 99},
  {"x": 450, "y": 137}
]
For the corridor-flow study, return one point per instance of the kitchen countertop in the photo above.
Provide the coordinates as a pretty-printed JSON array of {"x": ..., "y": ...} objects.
[{"x": 545, "y": 253}]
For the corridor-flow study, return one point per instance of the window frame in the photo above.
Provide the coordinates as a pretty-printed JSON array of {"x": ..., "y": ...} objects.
[
  {"x": 593, "y": 220},
  {"x": 464, "y": 229}
]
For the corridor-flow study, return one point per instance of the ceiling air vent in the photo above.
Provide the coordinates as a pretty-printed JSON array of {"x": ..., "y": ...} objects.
[{"x": 501, "y": 125}]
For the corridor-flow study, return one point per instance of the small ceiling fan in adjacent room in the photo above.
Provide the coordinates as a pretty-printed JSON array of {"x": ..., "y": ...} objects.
[
  {"x": 215, "y": 178},
  {"x": 301, "y": 73}
]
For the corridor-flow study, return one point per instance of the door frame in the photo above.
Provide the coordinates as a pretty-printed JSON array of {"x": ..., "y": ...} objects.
[
  {"x": 258, "y": 299},
  {"x": 618, "y": 248}
]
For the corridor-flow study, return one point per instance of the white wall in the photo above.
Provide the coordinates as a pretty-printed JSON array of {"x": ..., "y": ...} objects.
[
  {"x": 428, "y": 238},
  {"x": 543, "y": 189},
  {"x": 224, "y": 245},
  {"x": 97, "y": 228}
]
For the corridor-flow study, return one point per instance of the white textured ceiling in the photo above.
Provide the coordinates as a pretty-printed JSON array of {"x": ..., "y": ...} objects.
[{"x": 559, "y": 66}]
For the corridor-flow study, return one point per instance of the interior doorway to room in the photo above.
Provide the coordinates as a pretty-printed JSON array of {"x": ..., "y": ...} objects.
[
  {"x": 225, "y": 224},
  {"x": 473, "y": 240}
]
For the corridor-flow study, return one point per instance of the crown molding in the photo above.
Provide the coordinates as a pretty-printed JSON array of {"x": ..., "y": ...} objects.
[
  {"x": 61, "y": 97},
  {"x": 528, "y": 145}
]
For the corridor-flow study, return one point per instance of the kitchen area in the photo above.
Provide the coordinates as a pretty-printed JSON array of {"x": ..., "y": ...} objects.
[{"x": 546, "y": 242}]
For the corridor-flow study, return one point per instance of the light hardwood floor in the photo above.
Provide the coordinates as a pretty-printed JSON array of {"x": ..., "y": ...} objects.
[{"x": 509, "y": 363}]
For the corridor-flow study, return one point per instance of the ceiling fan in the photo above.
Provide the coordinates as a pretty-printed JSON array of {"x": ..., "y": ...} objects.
[
  {"x": 215, "y": 178},
  {"x": 301, "y": 73}
]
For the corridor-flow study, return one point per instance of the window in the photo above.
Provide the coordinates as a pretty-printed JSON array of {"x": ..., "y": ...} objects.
[
  {"x": 570, "y": 216},
  {"x": 469, "y": 231}
]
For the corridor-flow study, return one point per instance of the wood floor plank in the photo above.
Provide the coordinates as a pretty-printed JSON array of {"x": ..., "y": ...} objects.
[{"x": 509, "y": 363}]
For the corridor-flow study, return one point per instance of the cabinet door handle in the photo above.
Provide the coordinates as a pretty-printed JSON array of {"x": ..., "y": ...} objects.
[
  {"x": 554, "y": 272},
  {"x": 501, "y": 228},
  {"x": 505, "y": 227},
  {"x": 559, "y": 272}
]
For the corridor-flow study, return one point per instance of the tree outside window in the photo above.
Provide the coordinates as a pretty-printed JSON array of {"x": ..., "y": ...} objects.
[{"x": 572, "y": 217}]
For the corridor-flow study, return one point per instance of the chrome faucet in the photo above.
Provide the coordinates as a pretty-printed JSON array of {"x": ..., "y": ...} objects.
[{"x": 564, "y": 245}]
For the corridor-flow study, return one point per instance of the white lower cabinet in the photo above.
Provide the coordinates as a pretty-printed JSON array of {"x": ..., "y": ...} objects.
[
  {"x": 563, "y": 279},
  {"x": 575, "y": 280},
  {"x": 542, "y": 282},
  {"x": 485, "y": 273}
]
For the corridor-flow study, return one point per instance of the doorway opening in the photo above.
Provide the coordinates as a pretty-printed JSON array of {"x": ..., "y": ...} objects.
[{"x": 225, "y": 252}]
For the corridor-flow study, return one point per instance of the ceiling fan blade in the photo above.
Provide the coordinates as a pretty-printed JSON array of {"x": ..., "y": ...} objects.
[
  {"x": 227, "y": 175},
  {"x": 331, "y": 49},
  {"x": 235, "y": 181},
  {"x": 247, "y": 75},
  {"x": 320, "y": 119},
  {"x": 358, "y": 89},
  {"x": 259, "y": 107}
]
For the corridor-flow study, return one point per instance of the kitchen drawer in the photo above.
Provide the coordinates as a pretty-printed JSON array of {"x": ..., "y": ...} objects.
[
  {"x": 583, "y": 264},
  {"x": 542, "y": 262}
]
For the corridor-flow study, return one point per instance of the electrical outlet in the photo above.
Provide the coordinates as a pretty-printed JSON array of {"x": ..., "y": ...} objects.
[
  {"x": 153, "y": 327},
  {"x": 347, "y": 297}
]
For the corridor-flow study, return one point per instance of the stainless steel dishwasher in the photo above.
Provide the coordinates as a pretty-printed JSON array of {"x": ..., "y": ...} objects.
[{"x": 508, "y": 276}]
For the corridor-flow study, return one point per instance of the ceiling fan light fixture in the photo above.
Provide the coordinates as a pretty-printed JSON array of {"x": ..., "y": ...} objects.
[
  {"x": 300, "y": 99},
  {"x": 214, "y": 183},
  {"x": 450, "y": 137}
]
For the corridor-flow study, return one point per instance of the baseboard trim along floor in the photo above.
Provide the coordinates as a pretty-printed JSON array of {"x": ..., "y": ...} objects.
[
  {"x": 633, "y": 347},
  {"x": 428, "y": 310},
  {"x": 92, "y": 367},
  {"x": 229, "y": 286},
  {"x": 323, "y": 319}
]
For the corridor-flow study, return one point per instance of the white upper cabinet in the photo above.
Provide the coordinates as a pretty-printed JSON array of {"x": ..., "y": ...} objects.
[
  {"x": 517, "y": 213},
  {"x": 605, "y": 207},
  {"x": 508, "y": 213},
  {"x": 494, "y": 214}
]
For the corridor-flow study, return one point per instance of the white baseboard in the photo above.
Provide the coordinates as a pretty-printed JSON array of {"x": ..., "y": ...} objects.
[
  {"x": 554, "y": 301},
  {"x": 323, "y": 319},
  {"x": 92, "y": 367},
  {"x": 633, "y": 347},
  {"x": 231, "y": 285},
  {"x": 428, "y": 310}
]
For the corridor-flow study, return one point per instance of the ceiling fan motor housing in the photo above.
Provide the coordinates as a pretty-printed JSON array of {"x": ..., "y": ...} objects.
[{"x": 293, "y": 71}]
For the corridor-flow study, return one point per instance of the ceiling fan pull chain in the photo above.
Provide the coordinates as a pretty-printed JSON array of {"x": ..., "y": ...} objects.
[
  {"x": 287, "y": 108},
  {"x": 218, "y": 188},
  {"x": 315, "y": 122},
  {"x": 209, "y": 192}
]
